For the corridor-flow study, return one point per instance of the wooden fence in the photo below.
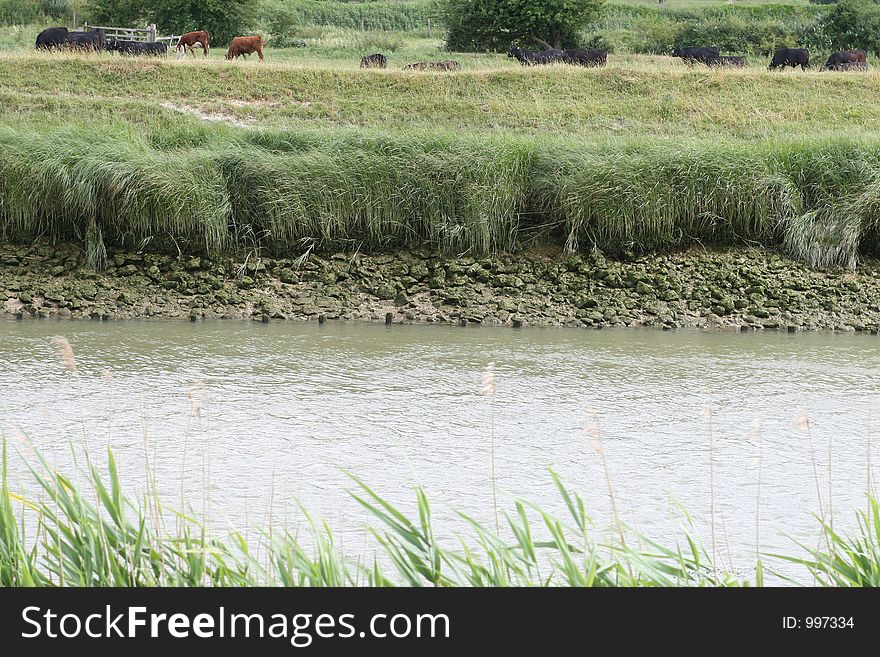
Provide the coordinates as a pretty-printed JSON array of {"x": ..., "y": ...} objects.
[{"x": 146, "y": 34}]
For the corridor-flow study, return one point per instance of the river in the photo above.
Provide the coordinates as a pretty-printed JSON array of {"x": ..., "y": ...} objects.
[{"x": 246, "y": 421}]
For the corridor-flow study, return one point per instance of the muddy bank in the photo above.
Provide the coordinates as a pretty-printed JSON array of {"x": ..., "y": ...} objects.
[{"x": 702, "y": 288}]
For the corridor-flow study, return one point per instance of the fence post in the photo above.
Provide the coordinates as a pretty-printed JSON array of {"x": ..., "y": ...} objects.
[{"x": 151, "y": 33}]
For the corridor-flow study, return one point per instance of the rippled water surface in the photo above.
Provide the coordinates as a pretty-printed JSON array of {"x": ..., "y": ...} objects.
[{"x": 276, "y": 413}]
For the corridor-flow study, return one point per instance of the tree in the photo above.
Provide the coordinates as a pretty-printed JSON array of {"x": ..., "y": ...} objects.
[
  {"x": 223, "y": 19},
  {"x": 854, "y": 24},
  {"x": 492, "y": 25},
  {"x": 119, "y": 13}
]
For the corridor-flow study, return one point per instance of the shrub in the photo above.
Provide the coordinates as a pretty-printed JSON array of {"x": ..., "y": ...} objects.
[
  {"x": 854, "y": 24},
  {"x": 492, "y": 25}
]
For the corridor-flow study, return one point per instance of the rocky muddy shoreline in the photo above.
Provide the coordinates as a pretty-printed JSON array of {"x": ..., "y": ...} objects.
[{"x": 737, "y": 288}]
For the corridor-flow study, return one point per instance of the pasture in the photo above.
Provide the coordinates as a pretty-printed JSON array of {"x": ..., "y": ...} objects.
[{"x": 632, "y": 96}]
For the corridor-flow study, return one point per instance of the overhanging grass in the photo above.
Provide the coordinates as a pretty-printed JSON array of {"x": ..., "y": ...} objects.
[{"x": 215, "y": 190}]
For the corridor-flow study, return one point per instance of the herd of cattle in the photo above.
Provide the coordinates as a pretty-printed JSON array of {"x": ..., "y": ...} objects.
[
  {"x": 524, "y": 57},
  {"x": 55, "y": 38},
  {"x": 378, "y": 60},
  {"x": 60, "y": 38},
  {"x": 847, "y": 60}
]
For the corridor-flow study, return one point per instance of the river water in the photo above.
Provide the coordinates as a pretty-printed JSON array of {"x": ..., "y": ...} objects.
[{"x": 247, "y": 421}]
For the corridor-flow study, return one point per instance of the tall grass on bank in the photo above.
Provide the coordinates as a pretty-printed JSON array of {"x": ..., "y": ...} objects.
[
  {"x": 91, "y": 534},
  {"x": 67, "y": 182},
  {"x": 221, "y": 190}
]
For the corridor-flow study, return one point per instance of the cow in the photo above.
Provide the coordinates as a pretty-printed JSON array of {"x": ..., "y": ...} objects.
[
  {"x": 793, "y": 57},
  {"x": 376, "y": 60},
  {"x": 433, "y": 66},
  {"x": 156, "y": 49},
  {"x": 137, "y": 48},
  {"x": 535, "y": 57},
  {"x": 701, "y": 54},
  {"x": 851, "y": 66},
  {"x": 90, "y": 40},
  {"x": 245, "y": 46},
  {"x": 727, "y": 61},
  {"x": 588, "y": 57},
  {"x": 187, "y": 42},
  {"x": 51, "y": 37},
  {"x": 840, "y": 61}
]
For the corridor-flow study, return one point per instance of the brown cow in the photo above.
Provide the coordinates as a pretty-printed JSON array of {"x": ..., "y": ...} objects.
[
  {"x": 245, "y": 46},
  {"x": 190, "y": 40}
]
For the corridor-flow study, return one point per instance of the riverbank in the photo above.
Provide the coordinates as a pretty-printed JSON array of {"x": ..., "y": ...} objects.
[{"x": 729, "y": 288}]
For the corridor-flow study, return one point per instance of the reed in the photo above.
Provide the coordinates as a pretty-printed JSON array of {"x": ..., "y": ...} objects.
[{"x": 92, "y": 534}]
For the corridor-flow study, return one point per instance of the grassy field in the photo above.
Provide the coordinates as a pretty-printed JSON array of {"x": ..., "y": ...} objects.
[{"x": 633, "y": 96}]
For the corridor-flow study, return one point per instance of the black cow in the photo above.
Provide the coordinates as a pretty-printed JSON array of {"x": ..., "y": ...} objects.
[
  {"x": 156, "y": 49},
  {"x": 90, "y": 40},
  {"x": 376, "y": 60},
  {"x": 728, "y": 61},
  {"x": 793, "y": 57},
  {"x": 585, "y": 57},
  {"x": 535, "y": 57},
  {"x": 693, "y": 55},
  {"x": 842, "y": 61},
  {"x": 51, "y": 37}
]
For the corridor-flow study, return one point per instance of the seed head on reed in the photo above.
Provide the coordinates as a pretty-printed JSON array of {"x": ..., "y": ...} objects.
[
  {"x": 488, "y": 388},
  {"x": 195, "y": 404},
  {"x": 802, "y": 421},
  {"x": 65, "y": 352},
  {"x": 592, "y": 428}
]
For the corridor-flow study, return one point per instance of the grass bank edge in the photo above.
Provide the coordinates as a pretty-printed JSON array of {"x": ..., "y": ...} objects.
[{"x": 214, "y": 190}]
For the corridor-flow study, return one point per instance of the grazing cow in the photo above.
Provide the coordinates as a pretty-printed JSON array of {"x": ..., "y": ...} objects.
[
  {"x": 702, "y": 55},
  {"x": 51, "y": 37},
  {"x": 793, "y": 57},
  {"x": 850, "y": 66},
  {"x": 187, "y": 42},
  {"x": 156, "y": 49},
  {"x": 376, "y": 60},
  {"x": 245, "y": 46},
  {"x": 587, "y": 57},
  {"x": 433, "y": 66},
  {"x": 89, "y": 40},
  {"x": 840, "y": 61},
  {"x": 535, "y": 57},
  {"x": 727, "y": 61}
]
